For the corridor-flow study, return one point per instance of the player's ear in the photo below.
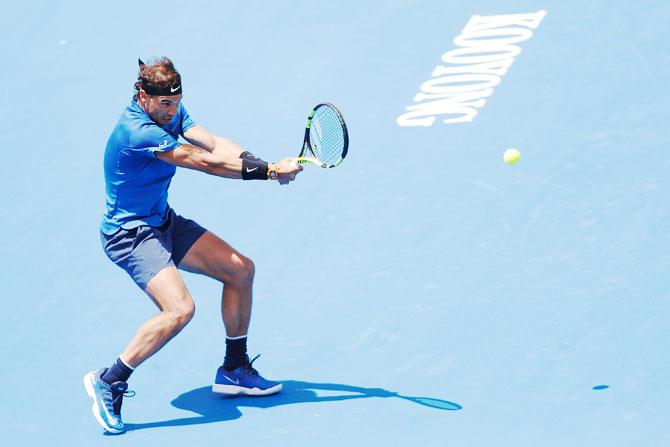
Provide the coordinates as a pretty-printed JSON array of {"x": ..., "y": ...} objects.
[{"x": 141, "y": 94}]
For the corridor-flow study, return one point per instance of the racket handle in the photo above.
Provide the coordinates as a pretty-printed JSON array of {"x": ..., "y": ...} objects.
[{"x": 303, "y": 160}]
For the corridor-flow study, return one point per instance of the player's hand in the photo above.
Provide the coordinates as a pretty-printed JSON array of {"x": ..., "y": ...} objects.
[{"x": 287, "y": 169}]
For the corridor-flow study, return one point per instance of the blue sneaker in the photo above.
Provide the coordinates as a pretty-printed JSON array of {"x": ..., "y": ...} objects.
[
  {"x": 107, "y": 400},
  {"x": 244, "y": 380}
]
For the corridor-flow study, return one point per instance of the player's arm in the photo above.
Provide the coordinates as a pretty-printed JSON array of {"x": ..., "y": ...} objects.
[
  {"x": 220, "y": 156},
  {"x": 194, "y": 157},
  {"x": 198, "y": 136},
  {"x": 215, "y": 144},
  {"x": 201, "y": 154}
]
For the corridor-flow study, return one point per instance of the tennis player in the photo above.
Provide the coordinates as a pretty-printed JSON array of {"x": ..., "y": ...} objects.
[{"x": 143, "y": 235}]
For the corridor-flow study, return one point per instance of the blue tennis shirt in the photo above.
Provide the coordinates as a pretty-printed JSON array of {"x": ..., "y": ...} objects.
[{"x": 136, "y": 181}]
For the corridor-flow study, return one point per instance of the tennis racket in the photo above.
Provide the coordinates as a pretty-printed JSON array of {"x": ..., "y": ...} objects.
[{"x": 326, "y": 137}]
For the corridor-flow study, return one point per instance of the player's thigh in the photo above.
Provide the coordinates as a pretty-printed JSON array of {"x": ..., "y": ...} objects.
[
  {"x": 168, "y": 291},
  {"x": 213, "y": 257}
]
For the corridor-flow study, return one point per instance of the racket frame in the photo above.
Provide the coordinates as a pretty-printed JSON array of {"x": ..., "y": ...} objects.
[{"x": 307, "y": 147}]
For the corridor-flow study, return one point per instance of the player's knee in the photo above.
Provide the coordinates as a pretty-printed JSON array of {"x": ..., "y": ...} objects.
[
  {"x": 249, "y": 271},
  {"x": 186, "y": 313},
  {"x": 245, "y": 271},
  {"x": 180, "y": 315}
]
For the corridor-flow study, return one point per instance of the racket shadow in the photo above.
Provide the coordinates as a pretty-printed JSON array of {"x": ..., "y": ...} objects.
[{"x": 212, "y": 408}]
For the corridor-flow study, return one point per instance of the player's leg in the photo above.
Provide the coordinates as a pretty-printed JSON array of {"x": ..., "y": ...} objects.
[
  {"x": 213, "y": 257},
  {"x": 145, "y": 254},
  {"x": 169, "y": 293},
  {"x": 107, "y": 386}
]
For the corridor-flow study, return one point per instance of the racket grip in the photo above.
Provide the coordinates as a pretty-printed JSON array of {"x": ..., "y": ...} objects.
[{"x": 314, "y": 161}]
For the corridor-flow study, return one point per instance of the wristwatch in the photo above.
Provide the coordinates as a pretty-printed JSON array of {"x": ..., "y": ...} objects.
[{"x": 272, "y": 171}]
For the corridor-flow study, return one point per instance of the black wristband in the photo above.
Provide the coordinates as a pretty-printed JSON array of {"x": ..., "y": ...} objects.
[
  {"x": 254, "y": 169},
  {"x": 248, "y": 155}
]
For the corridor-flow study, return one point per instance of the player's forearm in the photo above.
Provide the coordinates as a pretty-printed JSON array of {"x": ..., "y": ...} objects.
[
  {"x": 225, "y": 146},
  {"x": 251, "y": 167},
  {"x": 220, "y": 157},
  {"x": 223, "y": 164},
  {"x": 193, "y": 157},
  {"x": 245, "y": 166}
]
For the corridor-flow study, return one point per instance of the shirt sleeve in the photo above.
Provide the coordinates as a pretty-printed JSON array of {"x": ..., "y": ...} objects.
[
  {"x": 186, "y": 121},
  {"x": 151, "y": 139}
]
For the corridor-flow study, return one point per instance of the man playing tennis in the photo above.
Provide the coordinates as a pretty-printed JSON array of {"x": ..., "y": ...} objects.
[{"x": 143, "y": 235}]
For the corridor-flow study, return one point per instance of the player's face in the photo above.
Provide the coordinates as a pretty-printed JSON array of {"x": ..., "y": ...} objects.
[{"x": 162, "y": 109}]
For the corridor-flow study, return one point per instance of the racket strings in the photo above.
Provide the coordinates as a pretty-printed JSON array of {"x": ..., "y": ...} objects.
[{"x": 327, "y": 136}]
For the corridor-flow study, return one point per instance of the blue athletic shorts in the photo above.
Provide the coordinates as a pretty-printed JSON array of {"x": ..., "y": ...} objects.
[{"x": 145, "y": 251}]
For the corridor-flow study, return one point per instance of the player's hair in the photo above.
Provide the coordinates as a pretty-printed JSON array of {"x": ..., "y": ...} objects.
[{"x": 159, "y": 73}]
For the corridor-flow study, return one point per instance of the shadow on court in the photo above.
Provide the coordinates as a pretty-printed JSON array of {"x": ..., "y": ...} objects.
[{"x": 213, "y": 408}]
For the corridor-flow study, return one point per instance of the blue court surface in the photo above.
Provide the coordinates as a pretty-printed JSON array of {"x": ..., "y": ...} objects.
[{"x": 423, "y": 292}]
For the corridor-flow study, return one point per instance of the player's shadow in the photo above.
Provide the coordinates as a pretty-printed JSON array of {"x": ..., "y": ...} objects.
[{"x": 213, "y": 408}]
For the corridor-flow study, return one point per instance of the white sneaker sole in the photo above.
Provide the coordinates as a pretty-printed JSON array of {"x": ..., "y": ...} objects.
[
  {"x": 234, "y": 390},
  {"x": 88, "y": 384}
]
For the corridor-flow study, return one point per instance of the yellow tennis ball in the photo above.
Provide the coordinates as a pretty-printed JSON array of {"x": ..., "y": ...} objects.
[{"x": 511, "y": 156}]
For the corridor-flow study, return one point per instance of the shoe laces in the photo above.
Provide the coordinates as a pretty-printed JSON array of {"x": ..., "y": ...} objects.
[
  {"x": 250, "y": 369},
  {"x": 120, "y": 390}
]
